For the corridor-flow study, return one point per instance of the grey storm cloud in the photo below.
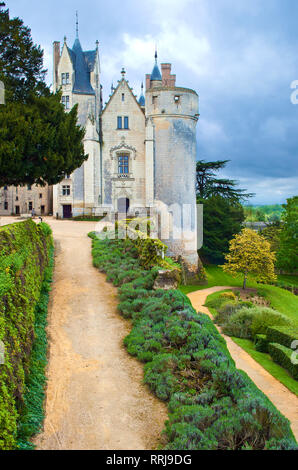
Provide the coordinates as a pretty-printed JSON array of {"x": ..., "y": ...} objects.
[{"x": 240, "y": 56}]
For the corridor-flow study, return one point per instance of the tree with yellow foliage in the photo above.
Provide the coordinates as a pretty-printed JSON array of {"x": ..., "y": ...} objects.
[{"x": 250, "y": 254}]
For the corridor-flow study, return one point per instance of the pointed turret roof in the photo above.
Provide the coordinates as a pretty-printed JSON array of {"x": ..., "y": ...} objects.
[
  {"x": 83, "y": 64},
  {"x": 156, "y": 75},
  {"x": 142, "y": 97}
]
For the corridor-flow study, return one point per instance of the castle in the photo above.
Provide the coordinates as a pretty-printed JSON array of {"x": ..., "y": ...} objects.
[{"x": 141, "y": 152}]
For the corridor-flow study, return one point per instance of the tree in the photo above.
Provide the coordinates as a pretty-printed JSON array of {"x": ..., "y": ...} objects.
[
  {"x": 39, "y": 142},
  {"x": 271, "y": 233},
  {"x": 208, "y": 185},
  {"x": 222, "y": 220},
  {"x": 21, "y": 61},
  {"x": 250, "y": 255},
  {"x": 287, "y": 256}
]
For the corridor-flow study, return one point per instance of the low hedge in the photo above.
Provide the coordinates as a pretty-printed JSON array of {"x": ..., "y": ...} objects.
[
  {"x": 212, "y": 405},
  {"x": 261, "y": 343},
  {"x": 284, "y": 357},
  {"x": 283, "y": 335},
  {"x": 24, "y": 257}
]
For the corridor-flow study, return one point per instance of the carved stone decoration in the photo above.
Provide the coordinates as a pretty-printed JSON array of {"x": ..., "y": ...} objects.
[{"x": 122, "y": 146}]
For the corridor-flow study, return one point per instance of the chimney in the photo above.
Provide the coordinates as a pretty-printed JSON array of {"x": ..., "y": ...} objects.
[
  {"x": 167, "y": 78},
  {"x": 56, "y": 50},
  {"x": 148, "y": 81}
]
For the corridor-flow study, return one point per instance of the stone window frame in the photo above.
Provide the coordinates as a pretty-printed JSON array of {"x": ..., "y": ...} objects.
[
  {"x": 66, "y": 190},
  {"x": 123, "y": 148}
]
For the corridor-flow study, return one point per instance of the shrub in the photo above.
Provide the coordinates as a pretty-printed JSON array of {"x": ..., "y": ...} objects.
[
  {"x": 226, "y": 310},
  {"x": 228, "y": 296},
  {"x": 284, "y": 335},
  {"x": 212, "y": 405},
  {"x": 248, "y": 321},
  {"x": 24, "y": 257},
  {"x": 261, "y": 343},
  {"x": 284, "y": 357},
  {"x": 239, "y": 324},
  {"x": 265, "y": 318}
]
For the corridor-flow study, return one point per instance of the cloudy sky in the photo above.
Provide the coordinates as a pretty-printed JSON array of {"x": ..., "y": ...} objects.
[{"x": 241, "y": 56}]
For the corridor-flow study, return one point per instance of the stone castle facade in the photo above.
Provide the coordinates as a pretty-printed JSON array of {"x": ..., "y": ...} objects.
[{"x": 142, "y": 152}]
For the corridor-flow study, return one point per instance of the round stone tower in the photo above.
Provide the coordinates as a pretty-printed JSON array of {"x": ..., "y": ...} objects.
[{"x": 173, "y": 113}]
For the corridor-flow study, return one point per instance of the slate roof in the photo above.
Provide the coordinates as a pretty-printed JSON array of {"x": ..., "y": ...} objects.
[
  {"x": 156, "y": 75},
  {"x": 83, "y": 63},
  {"x": 142, "y": 100}
]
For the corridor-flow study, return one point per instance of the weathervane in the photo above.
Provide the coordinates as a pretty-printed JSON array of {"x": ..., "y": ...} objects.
[{"x": 77, "y": 24}]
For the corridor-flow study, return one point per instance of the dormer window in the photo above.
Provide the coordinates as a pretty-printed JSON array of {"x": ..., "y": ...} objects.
[
  {"x": 177, "y": 99},
  {"x": 65, "y": 79}
]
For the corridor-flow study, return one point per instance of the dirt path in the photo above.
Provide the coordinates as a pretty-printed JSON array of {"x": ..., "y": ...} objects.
[
  {"x": 95, "y": 397},
  {"x": 285, "y": 401}
]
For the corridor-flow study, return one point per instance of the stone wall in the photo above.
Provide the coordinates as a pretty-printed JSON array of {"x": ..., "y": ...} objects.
[{"x": 122, "y": 141}]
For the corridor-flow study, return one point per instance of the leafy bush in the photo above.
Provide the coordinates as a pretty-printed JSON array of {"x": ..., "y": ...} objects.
[
  {"x": 261, "y": 343},
  {"x": 24, "y": 257},
  {"x": 212, "y": 405},
  {"x": 228, "y": 296},
  {"x": 225, "y": 311},
  {"x": 284, "y": 357},
  {"x": 284, "y": 335},
  {"x": 265, "y": 318},
  {"x": 240, "y": 323},
  {"x": 249, "y": 321},
  {"x": 32, "y": 415}
]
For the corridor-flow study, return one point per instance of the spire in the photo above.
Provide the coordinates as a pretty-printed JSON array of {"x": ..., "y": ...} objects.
[
  {"x": 77, "y": 24},
  {"x": 142, "y": 97},
  {"x": 123, "y": 73},
  {"x": 156, "y": 75}
]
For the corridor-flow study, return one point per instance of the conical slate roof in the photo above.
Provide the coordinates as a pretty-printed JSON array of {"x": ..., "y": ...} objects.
[
  {"x": 156, "y": 75},
  {"x": 82, "y": 66}
]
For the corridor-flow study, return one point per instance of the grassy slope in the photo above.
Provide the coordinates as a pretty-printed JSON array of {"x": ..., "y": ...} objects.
[
  {"x": 280, "y": 299},
  {"x": 288, "y": 279},
  {"x": 286, "y": 303},
  {"x": 265, "y": 361}
]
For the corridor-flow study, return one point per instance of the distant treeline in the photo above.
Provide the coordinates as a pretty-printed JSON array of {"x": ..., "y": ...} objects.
[{"x": 269, "y": 213}]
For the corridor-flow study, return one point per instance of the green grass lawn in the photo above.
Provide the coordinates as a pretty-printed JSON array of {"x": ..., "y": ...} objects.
[
  {"x": 265, "y": 361},
  {"x": 217, "y": 277},
  {"x": 286, "y": 303}
]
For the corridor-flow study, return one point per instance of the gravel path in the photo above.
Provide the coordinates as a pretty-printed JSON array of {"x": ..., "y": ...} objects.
[
  {"x": 95, "y": 396},
  {"x": 284, "y": 400}
]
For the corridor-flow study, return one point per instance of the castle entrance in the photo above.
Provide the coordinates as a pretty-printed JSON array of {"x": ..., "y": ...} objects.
[{"x": 123, "y": 205}]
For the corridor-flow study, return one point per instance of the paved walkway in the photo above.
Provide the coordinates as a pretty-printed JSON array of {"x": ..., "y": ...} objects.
[
  {"x": 95, "y": 396},
  {"x": 284, "y": 400}
]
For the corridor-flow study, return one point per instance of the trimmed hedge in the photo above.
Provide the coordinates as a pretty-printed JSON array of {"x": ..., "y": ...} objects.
[
  {"x": 282, "y": 335},
  {"x": 283, "y": 356},
  {"x": 24, "y": 257},
  {"x": 212, "y": 405},
  {"x": 261, "y": 343}
]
